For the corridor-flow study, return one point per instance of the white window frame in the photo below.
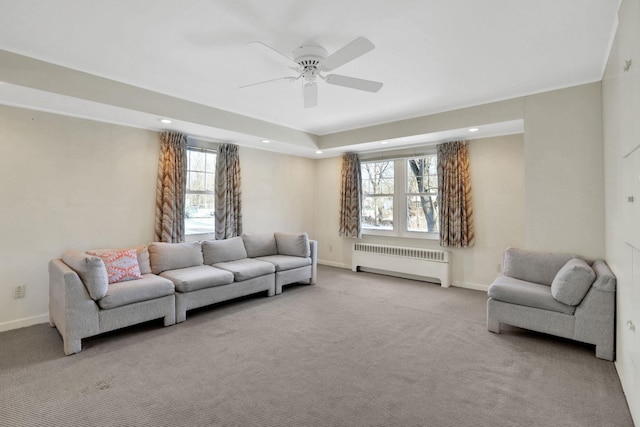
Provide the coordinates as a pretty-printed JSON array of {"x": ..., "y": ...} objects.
[
  {"x": 400, "y": 196},
  {"x": 195, "y": 148}
]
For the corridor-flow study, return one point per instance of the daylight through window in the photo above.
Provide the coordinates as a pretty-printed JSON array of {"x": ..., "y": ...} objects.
[
  {"x": 200, "y": 195},
  {"x": 400, "y": 196}
]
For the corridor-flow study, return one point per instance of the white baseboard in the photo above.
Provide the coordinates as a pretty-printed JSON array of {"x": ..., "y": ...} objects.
[
  {"x": 474, "y": 286},
  {"x": 23, "y": 323},
  {"x": 334, "y": 264}
]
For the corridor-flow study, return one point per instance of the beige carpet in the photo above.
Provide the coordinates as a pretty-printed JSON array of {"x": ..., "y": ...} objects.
[{"x": 353, "y": 350}]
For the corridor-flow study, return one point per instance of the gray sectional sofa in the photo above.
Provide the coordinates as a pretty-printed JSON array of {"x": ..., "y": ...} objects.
[
  {"x": 170, "y": 279},
  {"x": 558, "y": 294}
]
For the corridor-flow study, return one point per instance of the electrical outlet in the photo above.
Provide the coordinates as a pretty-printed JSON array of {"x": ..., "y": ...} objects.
[
  {"x": 19, "y": 291},
  {"x": 499, "y": 268}
]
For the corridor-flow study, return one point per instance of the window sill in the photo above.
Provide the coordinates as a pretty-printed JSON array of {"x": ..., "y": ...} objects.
[
  {"x": 199, "y": 236},
  {"x": 401, "y": 235}
]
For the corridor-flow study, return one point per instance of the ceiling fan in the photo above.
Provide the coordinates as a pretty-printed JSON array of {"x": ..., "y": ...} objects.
[{"x": 312, "y": 61}]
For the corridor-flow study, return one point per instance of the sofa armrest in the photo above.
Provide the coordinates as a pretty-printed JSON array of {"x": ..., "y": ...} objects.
[
  {"x": 71, "y": 309},
  {"x": 605, "y": 280},
  {"x": 313, "y": 244}
]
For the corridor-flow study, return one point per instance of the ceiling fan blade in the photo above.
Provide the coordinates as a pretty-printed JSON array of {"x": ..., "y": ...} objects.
[
  {"x": 353, "y": 83},
  {"x": 291, "y": 79},
  {"x": 274, "y": 49},
  {"x": 310, "y": 94},
  {"x": 353, "y": 50}
]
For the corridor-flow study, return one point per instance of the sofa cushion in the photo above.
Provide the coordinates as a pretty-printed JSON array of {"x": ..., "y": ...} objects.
[
  {"x": 215, "y": 251},
  {"x": 199, "y": 277},
  {"x": 247, "y": 268},
  {"x": 533, "y": 266},
  {"x": 142, "y": 252},
  {"x": 260, "y": 244},
  {"x": 91, "y": 270},
  {"x": 170, "y": 256},
  {"x": 286, "y": 262},
  {"x": 121, "y": 265},
  {"x": 293, "y": 244},
  {"x": 132, "y": 291},
  {"x": 572, "y": 282},
  {"x": 520, "y": 292}
]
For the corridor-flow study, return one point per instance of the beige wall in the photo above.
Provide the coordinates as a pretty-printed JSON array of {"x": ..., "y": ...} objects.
[
  {"x": 70, "y": 183},
  {"x": 621, "y": 123},
  {"x": 277, "y": 192},
  {"x": 564, "y": 171},
  {"x": 66, "y": 183},
  {"x": 497, "y": 178}
]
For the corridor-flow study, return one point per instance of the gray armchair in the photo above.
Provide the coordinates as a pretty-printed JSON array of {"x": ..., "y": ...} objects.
[{"x": 557, "y": 294}]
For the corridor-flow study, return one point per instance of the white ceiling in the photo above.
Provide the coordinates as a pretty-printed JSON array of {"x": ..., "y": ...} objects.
[{"x": 432, "y": 55}]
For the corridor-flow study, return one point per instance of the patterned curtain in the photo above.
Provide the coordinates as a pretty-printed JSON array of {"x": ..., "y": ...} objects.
[
  {"x": 454, "y": 195},
  {"x": 351, "y": 196},
  {"x": 228, "y": 192},
  {"x": 171, "y": 187}
]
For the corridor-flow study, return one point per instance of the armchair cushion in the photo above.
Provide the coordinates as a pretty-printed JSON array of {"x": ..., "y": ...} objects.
[
  {"x": 247, "y": 268},
  {"x": 132, "y": 291},
  {"x": 170, "y": 256},
  {"x": 91, "y": 270},
  {"x": 572, "y": 282},
  {"x": 533, "y": 266},
  {"x": 520, "y": 292},
  {"x": 215, "y": 251},
  {"x": 260, "y": 244},
  {"x": 193, "y": 278},
  {"x": 293, "y": 244},
  {"x": 286, "y": 262}
]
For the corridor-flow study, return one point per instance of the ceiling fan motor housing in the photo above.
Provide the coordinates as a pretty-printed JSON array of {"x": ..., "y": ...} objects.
[{"x": 308, "y": 57}]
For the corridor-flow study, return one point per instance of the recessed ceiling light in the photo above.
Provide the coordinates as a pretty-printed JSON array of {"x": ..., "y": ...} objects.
[
  {"x": 318, "y": 151},
  {"x": 474, "y": 129},
  {"x": 384, "y": 142},
  {"x": 266, "y": 141},
  {"x": 165, "y": 121}
]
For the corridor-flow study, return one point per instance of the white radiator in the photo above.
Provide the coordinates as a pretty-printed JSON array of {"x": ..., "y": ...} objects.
[{"x": 425, "y": 263}]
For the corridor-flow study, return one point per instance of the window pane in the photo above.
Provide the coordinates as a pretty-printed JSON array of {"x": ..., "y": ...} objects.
[
  {"x": 196, "y": 160},
  {"x": 377, "y": 177},
  {"x": 211, "y": 162},
  {"x": 210, "y": 182},
  {"x": 377, "y": 213},
  {"x": 196, "y": 181},
  {"x": 422, "y": 175},
  {"x": 422, "y": 213},
  {"x": 199, "y": 213}
]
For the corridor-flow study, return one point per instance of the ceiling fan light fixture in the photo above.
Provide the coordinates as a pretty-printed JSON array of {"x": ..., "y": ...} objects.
[{"x": 313, "y": 60}]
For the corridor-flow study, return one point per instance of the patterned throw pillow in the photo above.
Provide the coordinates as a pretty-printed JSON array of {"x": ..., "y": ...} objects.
[{"x": 122, "y": 265}]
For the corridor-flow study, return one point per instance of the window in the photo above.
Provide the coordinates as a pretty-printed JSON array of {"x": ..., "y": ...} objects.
[
  {"x": 378, "y": 190},
  {"x": 200, "y": 194},
  {"x": 422, "y": 194},
  {"x": 391, "y": 187}
]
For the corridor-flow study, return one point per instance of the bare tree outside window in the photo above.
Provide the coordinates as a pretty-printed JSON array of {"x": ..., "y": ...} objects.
[
  {"x": 422, "y": 193},
  {"x": 377, "y": 189},
  {"x": 416, "y": 178}
]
